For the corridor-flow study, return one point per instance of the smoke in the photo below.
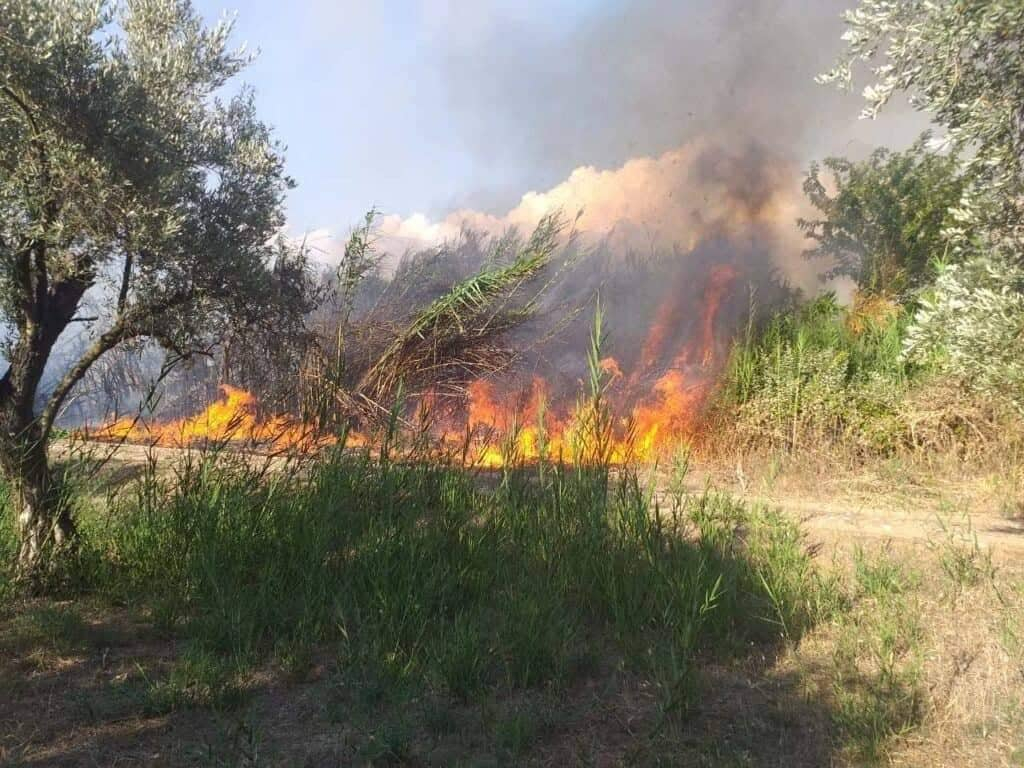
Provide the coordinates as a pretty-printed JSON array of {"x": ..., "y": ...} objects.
[
  {"x": 663, "y": 122},
  {"x": 647, "y": 76},
  {"x": 678, "y": 130},
  {"x": 699, "y": 191},
  {"x": 678, "y": 134}
]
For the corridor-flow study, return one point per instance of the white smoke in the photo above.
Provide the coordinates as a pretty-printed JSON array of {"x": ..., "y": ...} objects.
[{"x": 673, "y": 201}]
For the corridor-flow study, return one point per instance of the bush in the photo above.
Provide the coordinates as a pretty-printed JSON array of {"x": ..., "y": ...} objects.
[
  {"x": 821, "y": 375},
  {"x": 972, "y": 326},
  {"x": 961, "y": 64}
]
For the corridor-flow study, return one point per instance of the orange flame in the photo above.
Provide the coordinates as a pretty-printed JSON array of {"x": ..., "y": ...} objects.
[
  {"x": 233, "y": 418},
  {"x": 654, "y": 418},
  {"x": 719, "y": 282},
  {"x": 656, "y": 410}
]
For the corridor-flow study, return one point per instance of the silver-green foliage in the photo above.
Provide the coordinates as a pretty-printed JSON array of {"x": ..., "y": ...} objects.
[
  {"x": 123, "y": 168},
  {"x": 961, "y": 61},
  {"x": 973, "y": 323}
]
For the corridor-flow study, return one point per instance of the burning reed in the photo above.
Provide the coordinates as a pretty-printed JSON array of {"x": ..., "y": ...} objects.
[{"x": 494, "y": 361}]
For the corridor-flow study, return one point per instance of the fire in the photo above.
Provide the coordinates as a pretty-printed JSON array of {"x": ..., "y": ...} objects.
[
  {"x": 233, "y": 418},
  {"x": 656, "y": 406},
  {"x": 719, "y": 281},
  {"x": 644, "y": 412},
  {"x": 653, "y": 425},
  {"x": 610, "y": 366}
]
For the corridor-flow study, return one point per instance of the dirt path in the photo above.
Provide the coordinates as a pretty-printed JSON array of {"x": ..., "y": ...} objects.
[
  {"x": 845, "y": 510},
  {"x": 833, "y": 522}
]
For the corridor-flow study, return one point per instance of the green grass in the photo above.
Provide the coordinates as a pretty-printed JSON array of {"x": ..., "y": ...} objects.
[
  {"x": 440, "y": 598},
  {"x": 962, "y": 559},
  {"x": 878, "y": 682},
  {"x": 821, "y": 374},
  {"x": 48, "y": 629},
  {"x": 198, "y": 679},
  {"x": 420, "y": 579},
  {"x": 414, "y": 571},
  {"x": 873, "y": 345}
]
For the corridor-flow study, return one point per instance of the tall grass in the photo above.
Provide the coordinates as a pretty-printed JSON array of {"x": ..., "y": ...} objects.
[
  {"x": 868, "y": 337},
  {"x": 415, "y": 569},
  {"x": 8, "y": 543},
  {"x": 878, "y": 680},
  {"x": 822, "y": 373}
]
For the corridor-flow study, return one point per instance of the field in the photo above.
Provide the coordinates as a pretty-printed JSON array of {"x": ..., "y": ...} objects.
[{"x": 359, "y": 611}]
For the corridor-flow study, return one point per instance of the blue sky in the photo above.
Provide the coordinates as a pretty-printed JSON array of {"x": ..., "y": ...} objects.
[{"x": 358, "y": 92}]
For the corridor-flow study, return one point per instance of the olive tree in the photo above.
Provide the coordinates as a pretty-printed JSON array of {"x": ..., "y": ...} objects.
[
  {"x": 962, "y": 62},
  {"x": 125, "y": 179}
]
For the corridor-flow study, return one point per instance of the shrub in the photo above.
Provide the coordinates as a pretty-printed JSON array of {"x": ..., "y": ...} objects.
[
  {"x": 822, "y": 375},
  {"x": 972, "y": 326},
  {"x": 961, "y": 64}
]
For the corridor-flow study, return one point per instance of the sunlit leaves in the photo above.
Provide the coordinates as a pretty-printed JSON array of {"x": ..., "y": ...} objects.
[{"x": 962, "y": 62}]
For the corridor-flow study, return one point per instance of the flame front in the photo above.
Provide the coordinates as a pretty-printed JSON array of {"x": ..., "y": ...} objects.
[
  {"x": 654, "y": 408},
  {"x": 647, "y": 410},
  {"x": 233, "y": 418}
]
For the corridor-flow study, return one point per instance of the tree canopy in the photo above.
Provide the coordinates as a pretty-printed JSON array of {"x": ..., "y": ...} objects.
[
  {"x": 961, "y": 62},
  {"x": 884, "y": 224},
  {"x": 123, "y": 169},
  {"x": 125, "y": 174}
]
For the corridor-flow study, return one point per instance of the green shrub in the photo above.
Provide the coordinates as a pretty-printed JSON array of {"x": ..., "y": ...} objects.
[
  {"x": 821, "y": 374},
  {"x": 885, "y": 223}
]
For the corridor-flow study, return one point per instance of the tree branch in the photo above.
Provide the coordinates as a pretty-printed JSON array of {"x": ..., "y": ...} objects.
[
  {"x": 22, "y": 105},
  {"x": 117, "y": 333},
  {"x": 5, "y": 385},
  {"x": 124, "y": 328},
  {"x": 126, "y": 276}
]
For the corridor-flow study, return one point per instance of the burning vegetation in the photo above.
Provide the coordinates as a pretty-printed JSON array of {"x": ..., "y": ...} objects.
[
  {"x": 233, "y": 418},
  {"x": 487, "y": 403},
  {"x": 481, "y": 341}
]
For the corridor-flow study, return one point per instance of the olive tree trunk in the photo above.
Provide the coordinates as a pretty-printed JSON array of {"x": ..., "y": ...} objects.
[{"x": 42, "y": 520}]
